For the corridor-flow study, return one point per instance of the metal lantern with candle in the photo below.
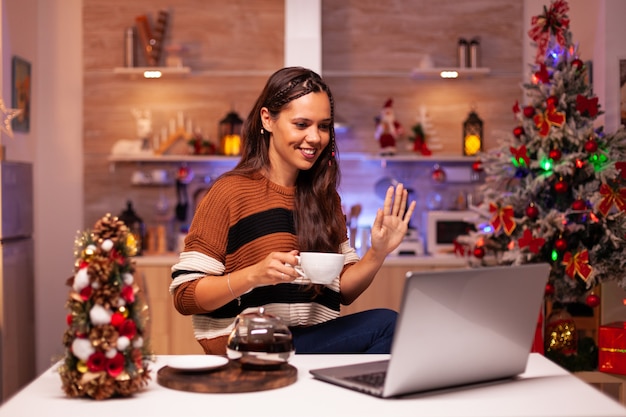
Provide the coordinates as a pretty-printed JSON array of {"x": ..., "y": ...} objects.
[
  {"x": 472, "y": 134},
  {"x": 230, "y": 134}
]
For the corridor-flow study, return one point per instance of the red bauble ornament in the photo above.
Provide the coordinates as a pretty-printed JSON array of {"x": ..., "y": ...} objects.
[
  {"x": 549, "y": 289},
  {"x": 552, "y": 101},
  {"x": 554, "y": 154},
  {"x": 591, "y": 146},
  {"x": 529, "y": 111},
  {"x": 479, "y": 252},
  {"x": 560, "y": 244},
  {"x": 477, "y": 166},
  {"x": 532, "y": 211},
  {"x": 577, "y": 63},
  {"x": 579, "y": 205},
  {"x": 438, "y": 174},
  {"x": 561, "y": 187},
  {"x": 592, "y": 300},
  {"x": 518, "y": 131}
]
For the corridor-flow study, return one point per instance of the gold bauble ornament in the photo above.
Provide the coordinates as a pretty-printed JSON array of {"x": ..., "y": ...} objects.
[{"x": 81, "y": 367}]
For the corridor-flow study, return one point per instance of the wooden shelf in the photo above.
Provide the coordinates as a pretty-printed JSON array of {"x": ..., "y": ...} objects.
[
  {"x": 171, "y": 158},
  {"x": 358, "y": 156},
  {"x": 436, "y": 73},
  {"x": 347, "y": 156},
  {"x": 140, "y": 71}
]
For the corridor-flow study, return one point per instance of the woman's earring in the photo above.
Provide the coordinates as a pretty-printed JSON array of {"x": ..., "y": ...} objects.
[{"x": 262, "y": 132}]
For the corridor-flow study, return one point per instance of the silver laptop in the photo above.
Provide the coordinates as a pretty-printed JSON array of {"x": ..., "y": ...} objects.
[{"x": 455, "y": 327}]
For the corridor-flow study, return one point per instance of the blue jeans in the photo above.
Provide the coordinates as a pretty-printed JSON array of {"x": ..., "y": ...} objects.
[{"x": 369, "y": 331}]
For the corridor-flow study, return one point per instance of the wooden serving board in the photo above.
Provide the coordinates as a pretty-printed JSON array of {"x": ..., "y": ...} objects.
[{"x": 228, "y": 379}]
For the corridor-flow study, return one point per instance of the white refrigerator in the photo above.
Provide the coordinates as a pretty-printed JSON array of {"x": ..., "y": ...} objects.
[{"x": 17, "y": 312}]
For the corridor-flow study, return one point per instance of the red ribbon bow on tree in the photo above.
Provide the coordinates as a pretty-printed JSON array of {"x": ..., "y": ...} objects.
[
  {"x": 534, "y": 244},
  {"x": 520, "y": 156},
  {"x": 503, "y": 218},
  {"x": 550, "y": 117},
  {"x": 577, "y": 264},
  {"x": 553, "y": 21},
  {"x": 589, "y": 105},
  {"x": 610, "y": 197}
]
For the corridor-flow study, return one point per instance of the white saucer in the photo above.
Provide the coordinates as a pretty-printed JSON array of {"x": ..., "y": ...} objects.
[{"x": 197, "y": 362}]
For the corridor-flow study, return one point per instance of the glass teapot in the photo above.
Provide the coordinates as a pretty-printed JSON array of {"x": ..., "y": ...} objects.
[{"x": 260, "y": 340}]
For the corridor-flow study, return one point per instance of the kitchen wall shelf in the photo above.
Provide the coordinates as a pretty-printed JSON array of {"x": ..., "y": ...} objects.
[
  {"x": 435, "y": 158},
  {"x": 171, "y": 158},
  {"x": 346, "y": 156},
  {"x": 140, "y": 71},
  {"x": 435, "y": 73}
]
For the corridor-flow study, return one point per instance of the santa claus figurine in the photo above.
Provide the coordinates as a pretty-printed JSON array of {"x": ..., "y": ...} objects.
[{"x": 388, "y": 130}]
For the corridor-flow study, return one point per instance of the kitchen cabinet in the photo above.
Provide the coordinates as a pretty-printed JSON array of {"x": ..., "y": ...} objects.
[
  {"x": 386, "y": 289},
  {"x": 171, "y": 333}
]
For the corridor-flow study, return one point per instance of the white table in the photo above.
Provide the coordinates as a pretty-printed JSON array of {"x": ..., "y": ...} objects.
[{"x": 543, "y": 390}]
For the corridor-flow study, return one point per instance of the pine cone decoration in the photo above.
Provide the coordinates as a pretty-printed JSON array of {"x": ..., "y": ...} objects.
[
  {"x": 100, "y": 269},
  {"x": 70, "y": 382},
  {"x": 103, "y": 337},
  {"x": 106, "y": 296},
  {"x": 100, "y": 388},
  {"x": 129, "y": 386},
  {"x": 109, "y": 227}
]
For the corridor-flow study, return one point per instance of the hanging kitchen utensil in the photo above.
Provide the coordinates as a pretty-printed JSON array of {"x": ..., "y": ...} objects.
[
  {"x": 382, "y": 185},
  {"x": 181, "y": 204}
]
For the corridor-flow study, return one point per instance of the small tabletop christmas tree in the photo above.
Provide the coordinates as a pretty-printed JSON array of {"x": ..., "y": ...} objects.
[
  {"x": 555, "y": 187},
  {"x": 106, "y": 354}
]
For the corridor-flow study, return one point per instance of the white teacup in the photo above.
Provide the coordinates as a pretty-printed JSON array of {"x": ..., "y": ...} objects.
[{"x": 320, "y": 267}]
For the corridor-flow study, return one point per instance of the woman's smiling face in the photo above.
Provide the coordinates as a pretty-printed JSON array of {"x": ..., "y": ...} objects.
[{"x": 298, "y": 136}]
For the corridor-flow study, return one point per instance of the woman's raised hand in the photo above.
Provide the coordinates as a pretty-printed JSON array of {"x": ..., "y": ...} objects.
[{"x": 392, "y": 221}]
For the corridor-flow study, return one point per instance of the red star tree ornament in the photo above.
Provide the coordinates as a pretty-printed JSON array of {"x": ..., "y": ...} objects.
[
  {"x": 527, "y": 240},
  {"x": 587, "y": 106},
  {"x": 520, "y": 155}
]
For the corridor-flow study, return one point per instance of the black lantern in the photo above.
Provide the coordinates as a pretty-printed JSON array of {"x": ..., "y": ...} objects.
[
  {"x": 230, "y": 134},
  {"x": 472, "y": 134}
]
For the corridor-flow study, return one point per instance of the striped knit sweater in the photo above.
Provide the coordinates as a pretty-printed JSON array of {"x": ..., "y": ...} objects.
[{"x": 238, "y": 222}]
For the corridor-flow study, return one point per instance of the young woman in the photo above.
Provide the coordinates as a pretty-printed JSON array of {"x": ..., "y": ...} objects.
[{"x": 281, "y": 199}]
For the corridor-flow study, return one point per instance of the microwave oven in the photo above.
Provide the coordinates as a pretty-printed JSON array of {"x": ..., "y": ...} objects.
[{"x": 443, "y": 227}]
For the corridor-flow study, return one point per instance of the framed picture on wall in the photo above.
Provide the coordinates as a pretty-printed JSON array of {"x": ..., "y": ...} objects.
[
  {"x": 622, "y": 91},
  {"x": 21, "y": 80}
]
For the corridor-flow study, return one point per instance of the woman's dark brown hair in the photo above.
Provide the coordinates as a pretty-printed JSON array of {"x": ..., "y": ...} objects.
[{"x": 316, "y": 203}]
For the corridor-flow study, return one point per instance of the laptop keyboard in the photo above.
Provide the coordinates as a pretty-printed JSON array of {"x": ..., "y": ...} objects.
[{"x": 374, "y": 379}]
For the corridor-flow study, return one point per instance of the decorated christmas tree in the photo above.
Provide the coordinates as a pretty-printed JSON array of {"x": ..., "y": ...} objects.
[
  {"x": 106, "y": 354},
  {"x": 554, "y": 187}
]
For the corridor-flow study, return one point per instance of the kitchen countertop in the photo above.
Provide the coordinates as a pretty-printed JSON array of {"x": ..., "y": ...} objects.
[
  {"x": 544, "y": 389},
  {"x": 169, "y": 259}
]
